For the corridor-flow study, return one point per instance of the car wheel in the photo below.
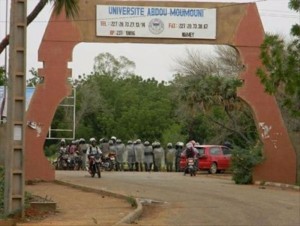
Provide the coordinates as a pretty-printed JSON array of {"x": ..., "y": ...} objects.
[{"x": 213, "y": 168}]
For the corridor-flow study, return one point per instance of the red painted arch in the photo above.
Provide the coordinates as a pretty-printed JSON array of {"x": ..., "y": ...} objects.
[{"x": 238, "y": 26}]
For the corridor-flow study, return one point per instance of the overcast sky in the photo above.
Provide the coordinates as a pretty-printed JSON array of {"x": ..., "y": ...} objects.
[{"x": 151, "y": 60}]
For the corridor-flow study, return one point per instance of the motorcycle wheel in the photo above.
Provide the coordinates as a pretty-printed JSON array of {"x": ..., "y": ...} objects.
[
  {"x": 93, "y": 171},
  {"x": 98, "y": 171}
]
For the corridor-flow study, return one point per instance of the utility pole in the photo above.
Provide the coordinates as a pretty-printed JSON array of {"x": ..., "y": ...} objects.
[{"x": 14, "y": 153}]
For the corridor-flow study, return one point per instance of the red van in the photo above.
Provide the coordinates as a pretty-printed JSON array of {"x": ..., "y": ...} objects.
[{"x": 213, "y": 158}]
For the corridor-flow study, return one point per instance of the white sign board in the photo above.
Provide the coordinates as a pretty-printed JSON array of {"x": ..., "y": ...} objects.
[{"x": 155, "y": 22}]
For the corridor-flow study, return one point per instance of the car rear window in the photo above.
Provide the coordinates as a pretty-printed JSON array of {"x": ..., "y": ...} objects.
[
  {"x": 215, "y": 151},
  {"x": 226, "y": 151}
]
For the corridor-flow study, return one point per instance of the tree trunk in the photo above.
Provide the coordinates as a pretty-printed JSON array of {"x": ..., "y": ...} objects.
[{"x": 35, "y": 12}]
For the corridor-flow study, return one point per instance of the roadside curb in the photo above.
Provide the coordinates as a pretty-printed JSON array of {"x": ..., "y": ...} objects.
[
  {"x": 128, "y": 219},
  {"x": 263, "y": 184},
  {"x": 133, "y": 216},
  {"x": 278, "y": 185}
]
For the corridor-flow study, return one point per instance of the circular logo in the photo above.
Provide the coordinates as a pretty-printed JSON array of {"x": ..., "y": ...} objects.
[{"x": 156, "y": 26}]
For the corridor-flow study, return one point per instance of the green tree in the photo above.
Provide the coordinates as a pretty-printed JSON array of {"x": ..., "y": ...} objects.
[
  {"x": 69, "y": 6},
  {"x": 281, "y": 72},
  {"x": 107, "y": 64},
  {"x": 35, "y": 79},
  {"x": 115, "y": 101},
  {"x": 2, "y": 76},
  {"x": 209, "y": 103}
]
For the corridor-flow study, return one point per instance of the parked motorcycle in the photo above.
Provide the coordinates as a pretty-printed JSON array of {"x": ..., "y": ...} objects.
[
  {"x": 62, "y": 162},
  {"x": 95, "y": 163},
  {"x": 109, "y": 162}
]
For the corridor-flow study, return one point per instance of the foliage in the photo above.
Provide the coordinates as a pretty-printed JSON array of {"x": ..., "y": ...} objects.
[
  {"x": 70, "y": 7},
  {"x": 209, "y": 106},
  {"x": 281, "y": 72},
  {"x": 173, "y": 134},
  {"x": 35, "y": 79},
  {"x": 127, "y": 107},
  {"x": 2, "y": 76},
  {"x": 132, "y": 201},
  {"x": 51, "y": 150},
  {"x": 243, "y": 161}
]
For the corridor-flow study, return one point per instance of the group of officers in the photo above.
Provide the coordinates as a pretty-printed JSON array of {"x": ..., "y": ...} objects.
[{"x": 136, "y": 155}]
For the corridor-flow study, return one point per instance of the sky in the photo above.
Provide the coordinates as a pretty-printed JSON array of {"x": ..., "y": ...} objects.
[{"x": 151, "y": 60}]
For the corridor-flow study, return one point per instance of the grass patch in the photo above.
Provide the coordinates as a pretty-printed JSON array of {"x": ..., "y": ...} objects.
[{"x": 131, "y": 200}]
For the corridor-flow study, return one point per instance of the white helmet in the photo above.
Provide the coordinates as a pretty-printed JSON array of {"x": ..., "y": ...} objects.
[{"x": 92, "y": 139}]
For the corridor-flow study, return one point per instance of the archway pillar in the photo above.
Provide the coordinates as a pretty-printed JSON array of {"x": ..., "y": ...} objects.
[{"x": 55, "y": 52}]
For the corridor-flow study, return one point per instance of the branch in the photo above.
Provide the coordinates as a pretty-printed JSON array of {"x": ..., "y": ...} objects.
[{"x": 35, "y": 12}]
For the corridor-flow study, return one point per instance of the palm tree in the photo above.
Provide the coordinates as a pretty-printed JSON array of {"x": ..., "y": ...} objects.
[{"x": 70, "y": 6}]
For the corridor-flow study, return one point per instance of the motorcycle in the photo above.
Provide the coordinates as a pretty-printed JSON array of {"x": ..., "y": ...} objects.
[
  {"x": 191, "y": 169},
  {"x": 95, "y": 163},
  {"x": 62, "y": 162},
  {"x": 77, "y": 162},
  {"x": 109, "y": 162}
]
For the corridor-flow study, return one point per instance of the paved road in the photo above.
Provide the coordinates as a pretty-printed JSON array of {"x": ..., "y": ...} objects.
[{"x": 200, "y": 200}]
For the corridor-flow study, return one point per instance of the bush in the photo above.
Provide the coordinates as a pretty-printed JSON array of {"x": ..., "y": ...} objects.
[
  {"x": 242, "y": 163},
  {"x": 51, "y": 150}
]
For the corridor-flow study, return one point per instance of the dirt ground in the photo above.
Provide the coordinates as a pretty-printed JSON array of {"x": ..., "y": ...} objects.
[{"x": 76, "y": 207}]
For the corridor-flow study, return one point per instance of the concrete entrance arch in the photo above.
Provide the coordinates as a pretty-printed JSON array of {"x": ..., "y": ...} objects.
[{"x": 238, "y": 25}]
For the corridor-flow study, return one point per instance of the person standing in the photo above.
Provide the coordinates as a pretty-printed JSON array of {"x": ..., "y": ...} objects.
[
  {"x": 120, "y": 149},
  {"x": 130, "y": 155},
  {"x": 179, "y": 149},
  {"x": 139, "y": 155},
  {"x": 82, "y": 149},
  {"x": 170, "y": 157},
  {"x": 112, "y": 153},
  {"x": 104, "y": 146},
  {"x": 148, "y": 156},
  {"x": 158, "y": 152}
]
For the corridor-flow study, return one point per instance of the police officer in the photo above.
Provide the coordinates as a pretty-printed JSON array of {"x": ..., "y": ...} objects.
[
  {"x": 158, "y": 152},
  {"x": 148, "y": 156},
  {"x": 170, "y": 157},
  {"x": 139, "y": 155},
  {"x": 104, "y": 146},
  {"x": 179, "y": 149},
  {"x": 130, "y": 155},
  {"x": 120, "y": 149}
]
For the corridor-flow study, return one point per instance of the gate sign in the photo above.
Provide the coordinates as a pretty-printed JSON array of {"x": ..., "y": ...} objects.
[{"x": 155, "y": 22}]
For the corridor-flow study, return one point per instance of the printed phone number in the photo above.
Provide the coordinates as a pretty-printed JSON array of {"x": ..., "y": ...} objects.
[{"x": 122, "y": 24}]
